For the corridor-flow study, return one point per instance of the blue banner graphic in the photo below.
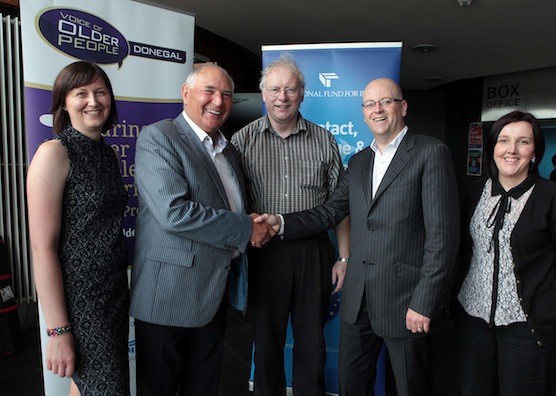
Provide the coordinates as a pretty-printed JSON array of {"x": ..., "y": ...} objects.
[{"x": 335, "y": 77}]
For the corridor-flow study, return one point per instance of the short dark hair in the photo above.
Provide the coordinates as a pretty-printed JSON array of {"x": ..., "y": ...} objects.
[
  {"x": 72, "y": 76},
  {"x": 514, "y": 116}
]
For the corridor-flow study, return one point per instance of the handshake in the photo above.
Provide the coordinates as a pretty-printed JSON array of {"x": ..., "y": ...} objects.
[{"x": 265, "y": 226}]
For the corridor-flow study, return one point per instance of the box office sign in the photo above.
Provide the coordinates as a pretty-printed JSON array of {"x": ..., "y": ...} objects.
[{"x": 525, "y": 91}]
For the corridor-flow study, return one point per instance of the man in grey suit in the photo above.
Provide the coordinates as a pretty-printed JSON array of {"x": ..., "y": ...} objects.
[
  {"x": 402, "y": 196},
  {"x": 192, "y": 233}
]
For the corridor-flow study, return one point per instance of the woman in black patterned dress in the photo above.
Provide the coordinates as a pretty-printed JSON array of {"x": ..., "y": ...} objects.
[{"x": 76, "y": 201}]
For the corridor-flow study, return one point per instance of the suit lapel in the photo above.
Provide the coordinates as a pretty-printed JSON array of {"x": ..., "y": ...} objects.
[
  {"x": 401, "y": 158},
  {"x": 366, "y": 173},
  {"x": 238, "y": 172},
  {"x": 192, "y": 141}
]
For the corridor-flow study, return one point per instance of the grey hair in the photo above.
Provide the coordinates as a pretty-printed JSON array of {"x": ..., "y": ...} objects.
[
  {"x": 285, "y": 60},
  {"x": 192, "y": 77}
]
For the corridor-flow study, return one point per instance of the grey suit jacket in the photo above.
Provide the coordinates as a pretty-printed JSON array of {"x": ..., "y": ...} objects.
[
  {"x": 403, "y": 242},
  {"x": 186, "y": 234}
]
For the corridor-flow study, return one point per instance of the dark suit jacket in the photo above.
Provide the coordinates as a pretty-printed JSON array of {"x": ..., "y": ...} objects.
[
  {"x": 533, "y": 246},
  {"x": 186, "y": 233},
  {"x": 403, "y": 242}
]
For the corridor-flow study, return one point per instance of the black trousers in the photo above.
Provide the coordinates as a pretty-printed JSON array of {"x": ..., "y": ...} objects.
[
  {"x": 179, "y": 360},
  {"x": 411, "y": 359},
  {"x": 503, "y": 360},
  {"x": 292, "y": 277}
]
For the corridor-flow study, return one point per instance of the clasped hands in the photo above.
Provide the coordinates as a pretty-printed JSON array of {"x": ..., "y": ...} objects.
[{"x": 265, "y": 226}]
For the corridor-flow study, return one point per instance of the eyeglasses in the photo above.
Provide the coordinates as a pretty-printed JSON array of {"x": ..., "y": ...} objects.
[
  {"x": 384, "y": 102},
  {"x": 275, "y": 92}
]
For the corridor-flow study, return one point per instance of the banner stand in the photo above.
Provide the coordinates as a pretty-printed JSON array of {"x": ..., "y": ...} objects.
[{"x": 145, "y": 66}]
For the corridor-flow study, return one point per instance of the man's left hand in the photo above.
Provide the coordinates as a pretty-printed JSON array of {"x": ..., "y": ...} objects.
[
  {"x": 417, "y": 323},
  {"x": 338, "y": 275}
]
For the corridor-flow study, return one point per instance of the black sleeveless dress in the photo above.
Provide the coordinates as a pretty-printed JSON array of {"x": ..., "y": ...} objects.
[{"x": 93, "y": 258}]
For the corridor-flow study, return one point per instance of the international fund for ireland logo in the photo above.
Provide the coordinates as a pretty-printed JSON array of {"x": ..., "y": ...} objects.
[{"x": 326, "y": 78}]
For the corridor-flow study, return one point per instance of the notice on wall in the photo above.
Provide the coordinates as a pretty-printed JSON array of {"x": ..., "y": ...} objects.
[{"x": 475, "y": 149}]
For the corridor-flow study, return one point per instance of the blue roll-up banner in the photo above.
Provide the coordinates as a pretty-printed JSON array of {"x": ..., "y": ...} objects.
[{"x": 335, "y": 77}]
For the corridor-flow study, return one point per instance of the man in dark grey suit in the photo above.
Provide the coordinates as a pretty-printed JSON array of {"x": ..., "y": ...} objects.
[
  {"x": 192, "y": 232},
  {"x": 402, "y": 196}
]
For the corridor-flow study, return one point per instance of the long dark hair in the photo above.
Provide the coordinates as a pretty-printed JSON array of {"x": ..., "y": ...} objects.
[
  {"x": 492, "y": 137},
  {"x": 72, "y": 76}
]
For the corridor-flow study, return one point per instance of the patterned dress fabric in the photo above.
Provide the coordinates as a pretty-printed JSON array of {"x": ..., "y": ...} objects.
[{"x": 93, "y": 258}]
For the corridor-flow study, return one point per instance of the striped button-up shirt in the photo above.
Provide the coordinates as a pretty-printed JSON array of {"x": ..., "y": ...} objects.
[{"x": 291, "y": 174}]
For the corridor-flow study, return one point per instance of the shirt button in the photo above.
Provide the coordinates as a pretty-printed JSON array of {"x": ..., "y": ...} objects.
[
  {"x": 286, "y": 176},
  {"x": 532, "y": 331},
  {"x": 517, "y": 281},
  {"x": 286, "y": 195},
  {"x": 539, "y": 343}
]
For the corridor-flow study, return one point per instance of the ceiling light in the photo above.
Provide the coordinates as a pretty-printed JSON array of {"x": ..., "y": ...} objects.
[
  {"x": 465, "y": 3},
  {"x": 424, "y": 48}
]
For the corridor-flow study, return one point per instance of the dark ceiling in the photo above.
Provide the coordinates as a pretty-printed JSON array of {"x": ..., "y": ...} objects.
[{"x": 487, "y": 37}]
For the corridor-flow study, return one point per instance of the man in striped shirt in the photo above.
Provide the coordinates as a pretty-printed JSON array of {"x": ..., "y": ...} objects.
[{"x": 290, "y": 164}]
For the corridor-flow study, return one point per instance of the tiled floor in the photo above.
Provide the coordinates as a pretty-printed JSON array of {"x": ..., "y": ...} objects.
[
  {"x": 21, "y": 372},
  {"x": 237, "y": 356}
]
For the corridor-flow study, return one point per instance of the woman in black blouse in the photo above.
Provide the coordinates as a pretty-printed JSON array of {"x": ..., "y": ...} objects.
[{"x": 507, "y": 289}]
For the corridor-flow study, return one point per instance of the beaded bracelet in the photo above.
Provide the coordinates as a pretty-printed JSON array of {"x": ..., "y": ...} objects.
[{"x": 58, "y": 331}]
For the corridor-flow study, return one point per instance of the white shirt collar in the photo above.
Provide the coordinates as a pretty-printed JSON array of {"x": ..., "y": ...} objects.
[
  {"x": 394, "y": 143},
  {"x": 203, "y": 136}
]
